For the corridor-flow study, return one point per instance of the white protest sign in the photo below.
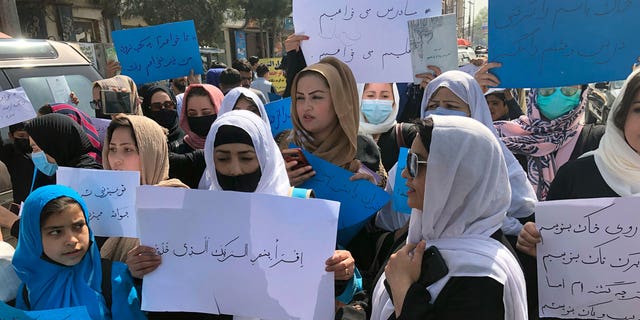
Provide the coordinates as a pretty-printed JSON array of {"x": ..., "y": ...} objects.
[
  {"x": 110, "y": 196},
  {"x": 371, "y": 36},
  {"x": 589, "y": 258},
  {"x": 59, "y": 88},
  {"x": 433, "y": 42},
  {"x": 101, "y": 126},
  {"x": 15, "y": 107},
  {"x": 244, "y": 254}
]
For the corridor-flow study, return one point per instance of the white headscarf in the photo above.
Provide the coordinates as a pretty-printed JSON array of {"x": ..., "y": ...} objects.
[
  {"x": 369, "y": 128},
  {"x": 523, "y": 198},
  {"x": 274, "y": 179},
  {"x": 618, "y": 163},
  {"x": 465, "y": 200},
  {"x": 231, "y": 98}
]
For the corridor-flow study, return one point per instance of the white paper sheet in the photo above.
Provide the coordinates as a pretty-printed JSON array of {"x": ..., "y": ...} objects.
[
  {"x": 15, "y": 107},
  {"x": 59, "y": 88},
  {"x": 245, "y": 254},
  {"x": 371, "y": 36},
  {"x": 433, "y": 42},
  {"x": 110, "y": 196},
  {"x": 589, "y": 258}
]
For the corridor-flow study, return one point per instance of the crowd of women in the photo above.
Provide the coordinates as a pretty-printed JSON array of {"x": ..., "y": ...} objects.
[{"x": 476, "y": 168}]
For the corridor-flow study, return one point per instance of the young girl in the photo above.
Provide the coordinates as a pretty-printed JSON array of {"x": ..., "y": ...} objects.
[
  {"x": 59, "y": 263},
  {"x": 242, "y": 156}
]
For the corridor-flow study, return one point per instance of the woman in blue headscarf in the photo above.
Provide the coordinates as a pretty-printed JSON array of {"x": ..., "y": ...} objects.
[{"x": 59, "y": 263}]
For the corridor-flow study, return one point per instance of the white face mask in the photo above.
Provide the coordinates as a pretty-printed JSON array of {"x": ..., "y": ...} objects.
[{"x": 376, "y": 111}]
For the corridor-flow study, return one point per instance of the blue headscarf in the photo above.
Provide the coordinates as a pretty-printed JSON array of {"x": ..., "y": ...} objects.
[{"x": 52, "y": 285}]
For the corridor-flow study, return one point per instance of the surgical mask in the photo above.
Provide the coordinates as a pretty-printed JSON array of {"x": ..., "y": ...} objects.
[
  {"x": 376, "y": 111},
  {"x": 442, "y": 111},
  {"x": 165, "y": 117},
  {"x": 201, "y": 125},
  {"x": 556, "y": 102},
  {"x": 22, "y": 145},
  {"x": 40, "y": 161},
  {"x": 243, "y": 183}
]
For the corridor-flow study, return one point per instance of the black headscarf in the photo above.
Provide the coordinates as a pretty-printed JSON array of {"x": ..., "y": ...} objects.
[
  {"x": 175, "y": 133},
  {"x": 63, "y": 139}
]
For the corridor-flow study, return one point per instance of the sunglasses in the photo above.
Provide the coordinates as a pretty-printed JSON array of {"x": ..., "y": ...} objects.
[
  {"x": 413, "y": 164},
  {"x": 567, "y": 91},
  {"x": 157, "y": 106},
  {"x": 95, "y": 104}
]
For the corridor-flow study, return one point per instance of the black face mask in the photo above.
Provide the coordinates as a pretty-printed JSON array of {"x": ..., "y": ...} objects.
[
  {"x": 165, "y": 117},
  {"x": 243, "y": 183},
  {"x": 22, "y": 145},
  {"x": 201, "y": 125}
]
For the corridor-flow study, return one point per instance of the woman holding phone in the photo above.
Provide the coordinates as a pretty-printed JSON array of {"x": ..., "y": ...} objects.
[
  {"x": 325, "y": 114},
  {"x": 115, "y": 95}
]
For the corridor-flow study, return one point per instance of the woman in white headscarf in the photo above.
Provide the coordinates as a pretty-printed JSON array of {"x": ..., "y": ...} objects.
[
  {"x": 457, "y": 208},
  {"x": 242, "y": 156},
  {"x": 241, "y": 98},
  {"x": 458, "y": 93}
]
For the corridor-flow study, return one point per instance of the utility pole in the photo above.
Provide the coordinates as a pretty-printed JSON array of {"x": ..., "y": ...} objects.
[
  {"x": 469, "y": 26},
  {"x": 9, "y": 22}
]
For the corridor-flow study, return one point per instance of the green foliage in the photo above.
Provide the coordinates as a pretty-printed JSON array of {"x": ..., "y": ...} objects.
[{"x": 207, "y": 15}]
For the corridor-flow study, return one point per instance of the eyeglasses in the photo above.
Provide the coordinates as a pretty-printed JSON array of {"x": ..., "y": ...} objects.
[
  {"x": 157, "y": 106},
  {"x": 95, "y": 104},
  {"x": 413, "y": 163},
  {"x": 567, "y": 91}
]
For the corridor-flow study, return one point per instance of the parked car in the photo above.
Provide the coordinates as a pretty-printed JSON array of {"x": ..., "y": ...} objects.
[
  {"x": 465, "y": 55},
  {"x": 31, "y": 63},
  {"x": 604, "y": 93}
]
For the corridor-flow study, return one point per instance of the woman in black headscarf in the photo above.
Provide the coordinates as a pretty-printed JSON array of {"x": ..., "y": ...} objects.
[{"x": 159, "y": 104}]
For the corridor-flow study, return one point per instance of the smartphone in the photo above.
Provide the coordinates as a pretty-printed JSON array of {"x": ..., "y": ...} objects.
[
  {"x": 434, "y": 267},
  {"x": 114, "y": 102},
  {"x": 295, "y": 154}
]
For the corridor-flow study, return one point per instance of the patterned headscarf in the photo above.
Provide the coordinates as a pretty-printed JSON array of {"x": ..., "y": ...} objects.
[{"x": 548, "y": 144}]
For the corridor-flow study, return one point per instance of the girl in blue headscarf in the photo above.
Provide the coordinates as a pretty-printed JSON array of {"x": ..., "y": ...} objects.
[{"x": 59, "y": 263}]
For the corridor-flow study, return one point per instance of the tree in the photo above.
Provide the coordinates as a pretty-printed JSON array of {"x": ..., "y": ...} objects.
[
  {"x": 270, "y": 16},
  {"x": 479, "y": 36},
  {"x": 207, "y": 15}
]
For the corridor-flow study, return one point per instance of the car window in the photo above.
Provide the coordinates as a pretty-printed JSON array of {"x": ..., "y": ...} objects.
[{"x": 49, "y": 90}]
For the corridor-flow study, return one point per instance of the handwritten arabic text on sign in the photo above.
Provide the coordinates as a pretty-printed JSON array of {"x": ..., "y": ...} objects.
[
  {"x": 583, "y": 238},
  {"x": 15, "y": 107},
  {"x": 211, "y": 241},
  {"x": 433, "y": 42},
  {"x": 110, "y": 196},
  {"x": 279, "y": 114},
  {"x": 371, "y": 36},
  {"x": 159, "y": 52},
  {"x": 556, "y": 43}
]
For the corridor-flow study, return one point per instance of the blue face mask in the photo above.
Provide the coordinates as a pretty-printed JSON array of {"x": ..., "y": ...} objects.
[
  {"x": 554, "y": 104},
  {"x": 376, "y": 111},
  {"x": 442, "y": 111},
  {"x": 40, "y": 161}
]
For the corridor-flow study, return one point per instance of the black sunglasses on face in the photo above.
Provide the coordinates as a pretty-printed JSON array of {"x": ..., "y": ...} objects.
[
  {"x": 413, "y": 163},
  {"x": 157, "y": 106}
]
